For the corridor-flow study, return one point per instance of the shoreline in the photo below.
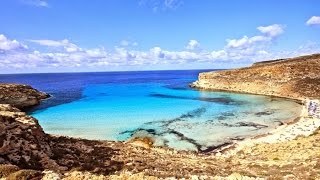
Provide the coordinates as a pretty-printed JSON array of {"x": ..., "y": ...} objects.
[
  {"x": 285, "y": 78},
  {"x": 196, "y": 85},
  {"x": 279, "y": 134},
  {"x": 299, "y": 100}
]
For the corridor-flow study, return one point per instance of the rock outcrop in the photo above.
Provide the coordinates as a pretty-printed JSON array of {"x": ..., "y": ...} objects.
[
  {"x": 23, "y": 143},
  {"x": 20, "y": 96},
  {"x": 22, "y": 140},
  {"x": 294, "y": 78}
]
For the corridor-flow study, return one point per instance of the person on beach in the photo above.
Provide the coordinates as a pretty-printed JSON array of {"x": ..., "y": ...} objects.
[{"x": 311, "y": 108}]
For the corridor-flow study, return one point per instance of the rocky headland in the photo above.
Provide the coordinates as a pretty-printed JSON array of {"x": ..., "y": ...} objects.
[
  {"x": 289, "y": 152},
  {"x": 20, "y": 96},
  {"x": 294, "y": 78}
]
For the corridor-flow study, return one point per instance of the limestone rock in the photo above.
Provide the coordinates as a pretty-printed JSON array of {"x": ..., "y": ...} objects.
[
  {"x": 7, "y": 169},
  {"x": 20, "y": 96},
  {"x": 294, "y": 78},
  {"x": 23, "y": 142}
]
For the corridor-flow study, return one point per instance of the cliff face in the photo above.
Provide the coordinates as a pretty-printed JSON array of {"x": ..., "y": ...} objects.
[
  {"x": 294, "y": 78},
  {"x": 22, "y": 140},
  {"x": 20, "y": 96}
]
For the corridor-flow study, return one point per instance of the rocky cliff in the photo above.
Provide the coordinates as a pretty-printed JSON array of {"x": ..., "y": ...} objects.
[
  {"x": 22, "y": 140},
  {"x": 294, "y": 78},
  {"x": 20, "y": 96}
]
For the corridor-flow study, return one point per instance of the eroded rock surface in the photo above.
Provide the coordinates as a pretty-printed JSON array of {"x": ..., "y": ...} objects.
[
  {"x": 23, "y": 143},
  {"x": 22, "y": 140},
  {"x": 20, "y": 96}
]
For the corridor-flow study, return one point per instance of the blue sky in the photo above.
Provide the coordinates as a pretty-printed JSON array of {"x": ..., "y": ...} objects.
[{"x": 113, "y": 35}]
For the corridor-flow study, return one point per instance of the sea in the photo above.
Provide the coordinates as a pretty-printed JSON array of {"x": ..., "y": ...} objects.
[{"x": 160, "y": 105}]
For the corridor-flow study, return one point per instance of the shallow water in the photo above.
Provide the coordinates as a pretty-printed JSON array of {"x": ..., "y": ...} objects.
[{"x": 157, "y": 104}]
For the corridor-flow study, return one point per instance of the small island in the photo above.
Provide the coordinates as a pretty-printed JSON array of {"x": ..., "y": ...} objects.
[{"x": 291, "y": 151}]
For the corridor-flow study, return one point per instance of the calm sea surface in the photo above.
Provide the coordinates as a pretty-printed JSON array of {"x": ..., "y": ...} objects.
[{"x": 156, "y": 104}]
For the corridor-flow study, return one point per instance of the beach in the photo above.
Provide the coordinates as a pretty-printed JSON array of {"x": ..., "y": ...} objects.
[{"x": 303, "y": 126}]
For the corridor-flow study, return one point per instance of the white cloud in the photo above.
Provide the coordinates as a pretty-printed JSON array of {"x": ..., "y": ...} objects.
[
  {"x": 314, "y": 20},
  {"x": 247, "y": 47},
  {"x": 8, "y": 45},
  {"x": 37, "y": 3},
  {"x": 244, "y": 42},
  {"x": 193, "y": 44},
  {"x": 51, "y": 43},
  {"x": 64, "y": 53},
  {"x": 221, "y": 54},
  {"x": 272, "y": 30},
  {"x": 66, "y": 44}
]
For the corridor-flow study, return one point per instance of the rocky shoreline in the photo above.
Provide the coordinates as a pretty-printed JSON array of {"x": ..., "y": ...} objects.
[
  {"x": 20, "y": 96},
  {"x": 294, "y": 78},
  {"x": 289, "y": 152}
]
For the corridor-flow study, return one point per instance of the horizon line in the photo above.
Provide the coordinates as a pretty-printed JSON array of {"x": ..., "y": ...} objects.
[{"x": 118, "y": 71}]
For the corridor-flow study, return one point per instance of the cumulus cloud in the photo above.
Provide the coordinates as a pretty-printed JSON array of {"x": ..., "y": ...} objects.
[
  {"x": 36, "y": 3},
  {"x": 64, "y": 53},
  {"x": 245, "y": 42},
  {"x": 269, "y": 33},
  {"x": 52, "y": 43},
  {"x": 193, "y": 44},
  {"x": 8, "y": 45},
  {"x": 254, "y": 47},
  {"x": 66, "y": 44},
  {"x": 272, "y": 30},
  {"x": 314, "y": 20}
]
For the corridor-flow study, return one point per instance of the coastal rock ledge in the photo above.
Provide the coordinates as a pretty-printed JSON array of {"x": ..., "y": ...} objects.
[
  {"x": 294, "y": 78},
  {"x": 20, "y": 96}
]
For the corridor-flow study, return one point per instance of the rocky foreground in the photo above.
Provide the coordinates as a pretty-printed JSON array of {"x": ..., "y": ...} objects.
[
  {"x": 294, "y": 78},
  {"x": 27, "y": 152}
]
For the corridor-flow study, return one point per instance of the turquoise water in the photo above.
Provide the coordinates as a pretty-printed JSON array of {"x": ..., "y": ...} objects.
[
  {"x": 119, "y": 112},
  {"x": 155, "y": 104}
]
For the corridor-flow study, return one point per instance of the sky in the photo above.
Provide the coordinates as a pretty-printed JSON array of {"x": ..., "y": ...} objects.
[{"x": 130, "y": 35}]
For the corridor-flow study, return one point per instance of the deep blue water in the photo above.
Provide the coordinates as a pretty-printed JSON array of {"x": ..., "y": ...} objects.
[{"x": 157, "y": 104}]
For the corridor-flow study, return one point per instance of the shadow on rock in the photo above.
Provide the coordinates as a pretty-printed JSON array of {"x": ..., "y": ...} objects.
[{"x": 85, "y": 155}]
